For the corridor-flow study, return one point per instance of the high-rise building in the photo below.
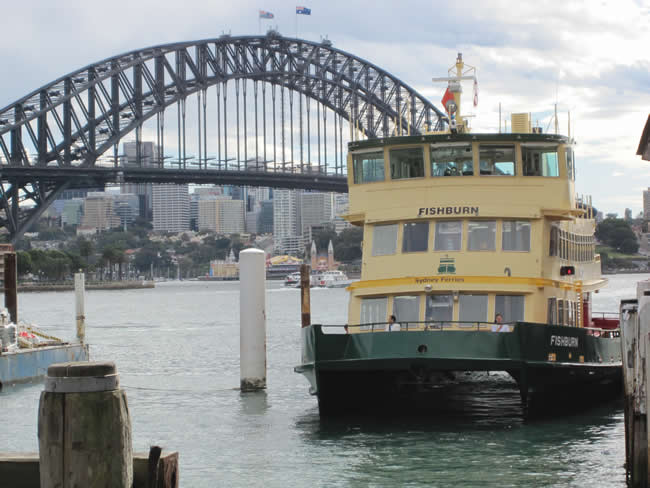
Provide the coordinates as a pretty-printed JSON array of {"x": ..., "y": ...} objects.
[
  {"x": 316, "y": 209},
  {"x": 287, "y": 223},
  {"x": 148, "y": 156},
  {"x": 127, "y": 208},
  {"x": 99, "y": 211},
  {"x": 171, "y": 208},
  {"x": 73, "y": 211},
  {"x": 646, "y": 204},
  {"x": 341, "y": 206},
  {"x": 265, "y": 218},
  {"x": 221, "y": 215},
  {"x": 628, "y": 214}
]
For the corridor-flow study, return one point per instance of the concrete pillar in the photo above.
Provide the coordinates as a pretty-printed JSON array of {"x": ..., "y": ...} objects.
[
  {"x": 84, "y": 428},
  {"x": 80, "y": 305},
  {"x": 252, "y": 320}
]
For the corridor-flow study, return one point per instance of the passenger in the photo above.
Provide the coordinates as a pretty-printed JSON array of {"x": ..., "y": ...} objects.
[
  {"x": 392, "y": 325},
  {"x": 499, "y": 326},
  {"x": 345, "y": 327}
]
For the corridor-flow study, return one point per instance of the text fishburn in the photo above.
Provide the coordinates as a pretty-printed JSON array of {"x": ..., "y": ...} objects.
[{"x": 423, "y": 211}]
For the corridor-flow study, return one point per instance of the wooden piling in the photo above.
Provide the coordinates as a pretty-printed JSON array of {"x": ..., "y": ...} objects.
[
  {"x": 84, "y": 428},
  {"x": 11, "y": 285},
  {"x": 305, "y": 303}
]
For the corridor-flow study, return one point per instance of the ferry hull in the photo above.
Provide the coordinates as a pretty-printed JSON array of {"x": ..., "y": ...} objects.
[
  {"x": 29, "y": 364},
  {"x": 375, "y": 370}
]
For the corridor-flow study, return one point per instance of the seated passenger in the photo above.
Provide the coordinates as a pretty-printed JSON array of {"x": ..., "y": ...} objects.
[{"x": 392, "y": 325}]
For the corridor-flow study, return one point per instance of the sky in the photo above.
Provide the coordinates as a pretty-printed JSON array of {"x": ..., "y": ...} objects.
[{"x": 591, "y": 58}]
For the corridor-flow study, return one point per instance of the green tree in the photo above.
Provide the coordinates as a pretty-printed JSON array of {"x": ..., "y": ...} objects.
[
  {"x": 24, "y": 263},
  {"x": 614, "y": 232},
  {"x": 86, "y": 248}
]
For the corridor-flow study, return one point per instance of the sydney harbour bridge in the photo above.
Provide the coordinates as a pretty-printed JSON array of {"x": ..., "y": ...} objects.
[{"x": 248, "y": 110}]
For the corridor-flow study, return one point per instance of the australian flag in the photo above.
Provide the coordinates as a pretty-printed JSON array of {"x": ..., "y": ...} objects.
[
  {"x": 303, "y": 10},
  {"x": 265, "y": 15}
]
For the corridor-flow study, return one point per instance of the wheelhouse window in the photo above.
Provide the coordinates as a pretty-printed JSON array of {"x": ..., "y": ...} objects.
[
  {"x": 439, "y": 308},
  {"x": 472, "y": 308},
  {"x": 415, "y": 237},
  {"x": 554, "y": 241},
  {"x": 516, "y": 235},
  {"x": 448, "y": 235},
  {"x": 552, "y": 311},
  {"x": 511, "y": 307},
  {"x": 560, "y": 312},
  {"x": 368, "y": 167},
  {"x": 384, "y": 240},
  {"x": 406, "y": 310},
  {"x": 570, "y": 163},
  {"x": 373, "y": 311},
  {"x": 497, "y": 160},
  {"x": 406, "y": 163},
  {"x": 452, "y": 160},
  {"x": 481, "y": 235},
  {"x": 540, "y": 161}
]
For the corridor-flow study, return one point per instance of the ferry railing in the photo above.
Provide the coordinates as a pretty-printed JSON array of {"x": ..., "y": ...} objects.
[{"x": 429, "y": 325}]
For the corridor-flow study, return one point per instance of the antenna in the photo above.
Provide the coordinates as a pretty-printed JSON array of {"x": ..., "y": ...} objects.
[{"x": 556, "y": 121}]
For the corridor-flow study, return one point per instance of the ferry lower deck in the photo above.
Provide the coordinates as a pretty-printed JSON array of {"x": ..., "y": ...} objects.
[{"x": 375, "y": 370}]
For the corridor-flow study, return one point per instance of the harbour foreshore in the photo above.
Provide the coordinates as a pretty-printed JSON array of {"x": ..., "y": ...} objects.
[{"x": 90, "y": 285}]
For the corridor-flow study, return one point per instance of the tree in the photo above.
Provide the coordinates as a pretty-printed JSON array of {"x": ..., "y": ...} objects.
[
  {"x": 630, "y": 246},
  {"x": 614, "y": 232},
  {"x": 86, "y": 248},
  {"x": 347, "y": 246},
  {"x": 24, "y": 263}
]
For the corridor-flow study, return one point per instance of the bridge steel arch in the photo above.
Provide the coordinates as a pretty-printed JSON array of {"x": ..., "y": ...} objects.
[{"x": 69, "y": 123}]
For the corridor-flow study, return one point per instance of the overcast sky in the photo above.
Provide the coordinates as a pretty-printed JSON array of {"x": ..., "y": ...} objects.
[{"x": 590, "y": 57}]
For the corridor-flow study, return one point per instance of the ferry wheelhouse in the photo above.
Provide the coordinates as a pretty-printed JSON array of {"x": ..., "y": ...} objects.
[{"x": 478, "y": 246}]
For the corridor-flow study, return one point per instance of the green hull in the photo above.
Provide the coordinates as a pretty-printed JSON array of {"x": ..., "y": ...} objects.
[{"x": 355, "y": 370}]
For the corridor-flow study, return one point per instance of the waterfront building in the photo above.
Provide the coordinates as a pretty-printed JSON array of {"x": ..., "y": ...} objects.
[{"x": 171, "y": 208}]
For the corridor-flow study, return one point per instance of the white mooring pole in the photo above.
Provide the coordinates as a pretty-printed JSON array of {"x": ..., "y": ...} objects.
[
  {"x": 252, "y": 320},
  {"x": 80, "y": 305}
]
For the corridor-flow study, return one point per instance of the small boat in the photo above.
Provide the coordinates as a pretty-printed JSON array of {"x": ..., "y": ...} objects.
[
  {"x": 292, "y": 279},
  {"x": 334, "y": 279}
]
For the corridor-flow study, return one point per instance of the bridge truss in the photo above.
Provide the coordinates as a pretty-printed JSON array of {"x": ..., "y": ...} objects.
[{"x": 61, "y": 135}]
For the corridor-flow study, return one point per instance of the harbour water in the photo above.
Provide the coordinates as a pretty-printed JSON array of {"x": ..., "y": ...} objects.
[{"x": 177, "y": 351}]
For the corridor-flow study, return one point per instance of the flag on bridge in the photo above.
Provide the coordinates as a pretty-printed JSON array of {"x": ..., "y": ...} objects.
[
  {"x": 265, "y": 15},
  {"x": 303, "y": 11},
  {"x": 448, "y": 97}
]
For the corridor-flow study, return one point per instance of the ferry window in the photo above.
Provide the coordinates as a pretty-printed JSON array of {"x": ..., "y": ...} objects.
[
  {"x": 368, "y": 167},
  {"x": 415, "y": 237},
  {"x": 553, "y": 245},
  {"x": 448, "y": 236},
  {"x": 516, "y": 235},
  {"x": 481, "y": 235},
  {"x": 540, "y": 161},
  {"x": 570, "y": 164},
  {"x": 373, "y": 311},
  {"x": 440, "y": 308},
  {"x": 384, "y": 240},
  {"x": 406, "y": 163},
  {"x": 511, "y": 307},
  {"x": 560, "y": 312},
  {"x": 569, "y": 307},
  {"x": 497, "y": 160},
  {"x": 473, "y": 308},
  {"x": 552, "y": 311},
  {"x": 452, "y": 161},
  {"x": 406, "y": 310}
]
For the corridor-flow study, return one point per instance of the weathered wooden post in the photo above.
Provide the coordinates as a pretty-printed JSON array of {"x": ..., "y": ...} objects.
[
  {"x": 305, "y": 305},
  {"x": 80, "y": 305},
  {"x": 11, "y": 285},
  {"x": 84, "y": 428},
  {"x": 252, "y": 320},
  {"x": 629, "y": 335},
  {"x": 643, "y": 298}
]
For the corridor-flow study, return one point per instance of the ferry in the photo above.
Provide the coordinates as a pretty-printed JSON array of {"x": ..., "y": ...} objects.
[
  {"x": 477, "y": 257},
  {"x": 334, "y": 279}
]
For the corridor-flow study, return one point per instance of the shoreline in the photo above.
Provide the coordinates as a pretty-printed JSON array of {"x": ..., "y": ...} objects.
[{"x": 94, "y": 285}]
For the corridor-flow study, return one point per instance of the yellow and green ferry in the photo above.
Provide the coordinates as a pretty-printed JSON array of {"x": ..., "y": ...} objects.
[{"x": 480, "y": 249}]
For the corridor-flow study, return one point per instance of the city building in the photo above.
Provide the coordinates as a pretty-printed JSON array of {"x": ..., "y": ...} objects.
[
  {"x": 646, "y": 204},
  {"x": 99, "y": 212},
  {"x": 221, "y": 215},
  {"x": 628, "y": 214},
  {"x": 73, "y": 211},
  {"x": 127, "y": 208},
  {"x": 341, "y": 205},
  {"x": 287, "y": 223},
  {"x": 171, "y": 208},
  {"x": 148, "y": 156},
  {"x": 316, "y": 210},
  {"x": 265, "y": 218}
]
